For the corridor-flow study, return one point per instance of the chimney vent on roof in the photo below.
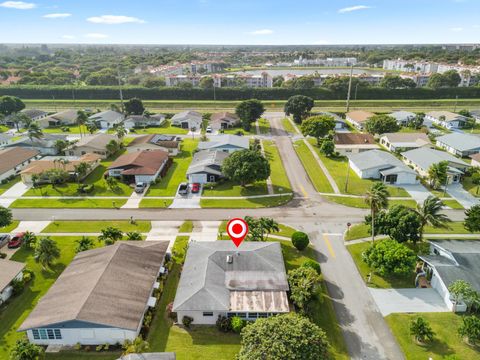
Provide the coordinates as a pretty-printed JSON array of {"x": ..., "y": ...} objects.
[{"x": 229, "y": 259}]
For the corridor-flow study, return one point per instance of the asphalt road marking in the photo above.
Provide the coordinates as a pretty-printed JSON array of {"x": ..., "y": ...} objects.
[
  {"x": 303, "y": 191},
  {"x": 329, "y": 245}
]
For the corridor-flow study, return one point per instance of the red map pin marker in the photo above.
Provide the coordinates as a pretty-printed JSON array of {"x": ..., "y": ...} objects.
[{"x": 237, "y": 229}]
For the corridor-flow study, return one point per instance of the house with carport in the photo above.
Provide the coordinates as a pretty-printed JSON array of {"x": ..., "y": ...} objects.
[
  {"x": 143, "y": 121},
  {"x": 223, "y": 120},
  {"x": 460, "y": 144},
  {"x": 403, "y": 118},
  {"x": 66, "y": 117}
]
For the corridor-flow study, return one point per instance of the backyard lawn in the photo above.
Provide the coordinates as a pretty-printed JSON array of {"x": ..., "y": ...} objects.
[
  {"x": 68, "y": 203},
  {"x": 166, "y": 128},
  {"x": 446, "y": 344},
  {"x": 9, "y": 184},
  {"x": 96, "y": 226},
  {"x": 246, "y": 203},
  {"x": 288, "y": 127},
  {"x": 278, "y": 175},
  {"x": 471, "y": 187},
  {"x": 72, "y": 129},
  {"x": 168, "y": 185}
]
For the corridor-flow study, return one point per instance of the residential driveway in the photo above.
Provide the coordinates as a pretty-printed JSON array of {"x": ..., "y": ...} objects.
[
  {"x": 190, "y": 201},
  {"x": 205, "y": 230},
  {"x": 408, "y": 300},
  {"x": 462, "y": 196},
  {"x": 13, "y": 194},
  {"x": 133, "y": 201},
  {"x": 33, "y": 226},
  {"x": 164, "y": 231},
  {"x": 418, "y": 192}
]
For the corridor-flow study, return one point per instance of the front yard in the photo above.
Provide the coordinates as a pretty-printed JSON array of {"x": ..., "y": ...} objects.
[
  {"x": 359, "y": 202},
  {"x": 9, "y": 184},
  {"x": 96, "y": 226},
  {"x": 278, "y": 175},
  {"x": 230, "y": 188},
  {"x": 166, "y": 128},
  {"x": 46, "y": 203}
]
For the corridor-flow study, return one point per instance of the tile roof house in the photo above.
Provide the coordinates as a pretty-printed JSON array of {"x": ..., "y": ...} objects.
[
  {"x": 9, "y": 271},
  {"x": 220, "y": 279},
  {"x": 378, "y": 164},
  {"x": 143, "y": 121},
  {"x": 404, "y": 141},
  {"x": 358, "y": 117},
  {"x": 45, "y": 145},
  {"x": 403, "y": 117},
  {"x": 227, "y": 143},
  {"x": 96, "y": 144},
  {"x": 100, "y": 298},
  {"x": 155, "y": 142},
  {"x": 475, "y": 160},
  {"x": 352, "y": 143},
  {"x": 187, "y": 120},
  {"x": 446, "y": 119},
  {"x": 13, "y": 160},
  {"x": 451, "y": 260},
  {"x": 66, "y": 117},
  {"x": 223, "y": 120},
  {"x": 141, "y": 166},
  {"x": 460, "y": 144},
  {"x": 422, "y": 158},
  {"x": 107, "y": 119},
  {"x": 206, "y": 166}
]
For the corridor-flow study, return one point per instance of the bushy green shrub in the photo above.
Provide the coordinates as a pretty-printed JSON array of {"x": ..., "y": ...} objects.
[
  {"x": 238, "y": 324},
  {"x": 224, "y": 323},
  {"x": 187, "y": 321},
  {"x": 300, "y": 240},
  {"x": 312, "y": 264}
]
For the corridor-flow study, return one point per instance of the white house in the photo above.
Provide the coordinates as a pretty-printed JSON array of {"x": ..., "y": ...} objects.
[
  {"x": 9, "y": 271},
  {"x": 403, "y": 117},
  {"x": 404, "y": 141},
  {"x": 219, "y": 279},
  {"x": 460, "y": 144},
  {"x": 141, "y": 166},
  {"x": 100, "y": 298},
  {"x": 446, "y": 119},
  {"x": 226, "y": 143},
  {"x": 107, "y": 119},
  {"x": 142, "y": 121},
  {"x": 187, "y": 120},
  {"x": 206, "y": 166},
  {"x": 13, "y": 160},
  {"x": 66, "y": 117},
  {"x": 378, "y": 164}
]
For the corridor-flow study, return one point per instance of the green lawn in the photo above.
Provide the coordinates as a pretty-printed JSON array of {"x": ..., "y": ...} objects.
[
  {"x": 278, "y": 175},
  {"x": 96, "y": 226},
  {"x": 454, "y": 204},
  {"x": 245, "y": 203},
  {"x": 168, "y": 185},
  {"x": 230, "y": 188},
  {"x": 470, "y": 187},
  {"x": 285, "y": 230},
  {"x": 9, "y": 184},
  {"x": 9, "y": 228},
  {"x": 447, "y": 343},
  {"x": 179, "y": 248},
  {"x": 377, "y": 281},
  {"x": 4, "y": 128},
  {"x": 315, "y": 173},
  {"x": 68, "y": 203},
  {"x": 234, "y": 130},
  {"x": 72, "y": 129},
  {"x": 186, "y": 227},
  {"x": 360, "y": 202},
  {"x": 166, "y": 128},
  {"x": 155, "y": 203},
  {"x": 70, "y": 188},
  {"x": 288, "y": 127},
  {"x": 358, "y": 231},
  {"x": 264, "y": 126}
]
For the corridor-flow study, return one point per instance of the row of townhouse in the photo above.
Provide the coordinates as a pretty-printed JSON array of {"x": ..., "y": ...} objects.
[{"x": 263, "y": 80}]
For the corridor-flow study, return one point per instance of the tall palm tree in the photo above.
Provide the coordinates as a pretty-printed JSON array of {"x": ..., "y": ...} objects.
[
  {"x": 269, "y": 225},
  {"x": 82, "y": 118},
  {"x": 120, "y": 132},
  {"x": 34, "y": 131},
  {"x": 46, "y": 251},
  {"x": 377, "y": 198},
  {"x": 429, "y": 214},
  {"x": 81, "y": 170}
]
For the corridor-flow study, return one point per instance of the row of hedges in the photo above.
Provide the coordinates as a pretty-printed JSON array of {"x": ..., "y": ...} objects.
[{"x": 169, "y": 93}]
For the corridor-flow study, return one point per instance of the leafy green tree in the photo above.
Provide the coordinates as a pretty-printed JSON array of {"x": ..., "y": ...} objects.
[
  {"x": 206, "y": 82},
  {"x": 112, "y": 147},
  {"x": 300, "y": 240},
  {"x": 278, "y": 81},
  {"x": 396, "y": 82},
  {"x": 34, "y": 131},
  {"x": 20, "y": 118},
  {"x": 60, "y": 146},
  {"x": 10, "y": 105},
  {"x": 400, "y": 223},
  {"x": 238, "y": 324},
  {"x": 110, "y": 235},
  {"x": 472, "y": 218},
  {"x": 318, "y": 126},
  {"x": 460, "y": 290},
  {"x": 376, "y": 198},
  {"x": 299, "y": 106},
  {"x": 120, "y": 131},
  {"x": 421, "y": 330},
  {"x": 437, "y": 174},
  {"x": 137, "y": 346},
  {"x": 388, "y": 257},
  {"x": 46, "y": 252},
  {"x": 260, "y": 228},
  {"x": 475, "y": 179},
  {"x": 5, "y": 216},
  {"x": 295, "y": 338},
  {"x": 29, "y": 240},
  {"x": 134, "y": 106},
  {"x": 451, "y": 78},
  {"x": 246, "y": 167},
  {"x": 154, "y": 82},
  {"x": 328, "y": 147},
  {"x": 81, "y": 170},
  {"x": 111, "y": 183},
  {"x": 83, "y": 244},
  {"x": 470, "y": 329},
  {"x": 417, "y": 121},
  {"x": 24, "y": 350},
  {"x": 312, "y": 264},
  {"x": 381, "y": 124},
  {"x": 249, "y": 111},
  {"x": 304, "y": 283},
  {"x": 429, "y": 213}
]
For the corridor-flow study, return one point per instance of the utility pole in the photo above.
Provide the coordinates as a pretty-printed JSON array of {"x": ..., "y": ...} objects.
[
  {"x": 349, "y": 88},
  {"x": 120, "y": 90},
  {"x": 214, "y": 96}
]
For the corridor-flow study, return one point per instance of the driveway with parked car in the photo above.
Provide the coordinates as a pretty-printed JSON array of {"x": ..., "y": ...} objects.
[{"x": 188, "y": 196}]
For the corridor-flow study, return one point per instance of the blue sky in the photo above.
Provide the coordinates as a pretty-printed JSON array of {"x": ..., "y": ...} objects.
[{"x": 240, "y": 21}]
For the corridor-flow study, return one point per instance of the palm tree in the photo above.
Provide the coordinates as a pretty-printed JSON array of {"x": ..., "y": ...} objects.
[
  {"x": 134, "y": 235},
  {"x": 429, "y": 214},
  {"x": 46, "y": 252},
  {"x": 437, "y": 174},
  {"x": 29, "y": 240},
  {"x": 377, "y": 198},
  {"x": 34, "y": 131},
  {"x": 269, "y": 225},
  {"x": 85, "y": 243},
  {"x": 120, "y": 132},
  {"x": 60, "y": 145},
  {"x": 110, "y": 235},
  {"x": 81, "y": 170},
  {"x": 112, "y": 147},
  {"x": 82, "y": 118},
  {"x": 17, "y": 118},
  {"x": 91, "y": 127}
]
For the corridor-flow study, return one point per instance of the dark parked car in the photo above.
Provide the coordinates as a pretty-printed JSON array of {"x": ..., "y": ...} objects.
[
  {"x": 16, "y": 241},
  {"x": 183, "y": 189},
  {"x": 195, "y": 188}
]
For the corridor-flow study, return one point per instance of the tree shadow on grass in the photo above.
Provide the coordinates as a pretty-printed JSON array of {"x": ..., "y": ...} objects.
[{"x": 437, "y": 347}]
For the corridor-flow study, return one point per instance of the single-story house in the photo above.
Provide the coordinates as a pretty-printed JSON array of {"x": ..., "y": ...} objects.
[
  {"x": 66, "y": 117},
  {"x": 219, "y": 279},
  {"x": 459, "y": 144},
  {"x": 96, "y": 144},
  {"x": 206, "y": 166},
  {"x": 155, "y": 142},
  {"x": 188, "y": 120},
  {"x": 422, "y": 158},
  {"x": 227, "y": 143},
  {"x": 107, "y": 119},
  {"x": 149, "y": 356},
  {"x": 451, "y": 260},
  {"x": 32, "y": 114},
  {"x": 5, "y": 139},
  {"x": 446, "y": 119},
  {"x": 352, "y": 143},
  {"x": 48, "y": 163},
  {"x": 339, "y": 122},
  {"x": 9, "y": 271},
  {"x": 378, "y": 164},
  {"x": 141, "y": 166},
  {"x": 12, "y": 160},
  {"x": 358, "y": 117},
  {"x": 404, "y": 141},
  {"x": 223, "y": 120},
  {"x": 475, "y": 160},
  {"x": 403, "y": 117},
  {"x": 142, "y": 121},
  {"x": 100, "y": 298},
  {"x": 45, "y": 145}
]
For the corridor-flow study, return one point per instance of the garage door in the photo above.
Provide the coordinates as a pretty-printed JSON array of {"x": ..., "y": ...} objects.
[{"x": 198, "y": 178}]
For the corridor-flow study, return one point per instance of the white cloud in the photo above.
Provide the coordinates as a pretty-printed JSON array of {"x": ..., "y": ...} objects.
[
  {"x": 18, "y": 5},
  {"x": 68, "y": 37},
  {"x": 96, "y": 36},
  {"x": 261, "y": 32},
  {"x": 353, "y": 8},
  {"x": 114, "y": 19},
  {"x": 57, "y": 15},
  {"x": 456, "y": 29}
]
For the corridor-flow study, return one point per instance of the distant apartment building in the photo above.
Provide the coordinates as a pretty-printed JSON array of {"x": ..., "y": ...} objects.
[
  {"x": 331, "y": 62},
  {"x": 207, "y": 67},
  {"x": 261, "y": 80},
  {"x": 423, "y": 67}
]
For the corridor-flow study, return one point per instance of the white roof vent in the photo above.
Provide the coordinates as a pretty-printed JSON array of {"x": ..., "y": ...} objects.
[{"x": 229, "y": 259}]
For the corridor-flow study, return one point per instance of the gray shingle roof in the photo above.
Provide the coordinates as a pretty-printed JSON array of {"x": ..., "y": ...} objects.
[
  {"x": 460, "y": 142},
  {"x": 402, "y": 115},
  {"x": 8, "y": 271},
  {"x": 190, "y": 114},
  {"x": 225, "y": 140},
  {"x": 425, "y": 157},
  {"x": 33, "y": 113},
  {"x": 449, "y": 116},
  {"x": 97, "y": 141},
  {"x": 107, "y": 115},
  {"x": 378, "y": 159},
  {"x": 207, "y": 161},
  {"x": 207, "y": 279}
]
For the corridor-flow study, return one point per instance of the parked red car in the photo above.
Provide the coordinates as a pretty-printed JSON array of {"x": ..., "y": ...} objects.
[
  {"x": 195, "y": 188},
  {"x": 16, "y": 241}
]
